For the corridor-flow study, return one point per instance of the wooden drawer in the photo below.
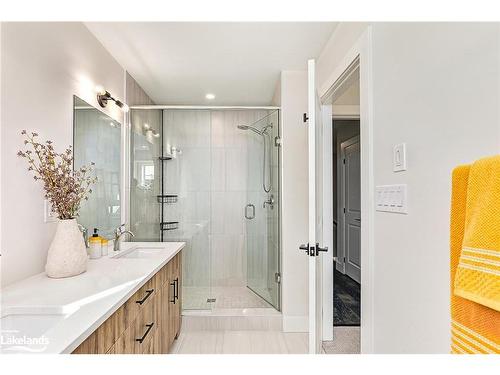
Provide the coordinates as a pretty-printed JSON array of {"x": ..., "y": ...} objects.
[
  {"x": 134, "y": 305},
  {"x": 136, "y": 338}
]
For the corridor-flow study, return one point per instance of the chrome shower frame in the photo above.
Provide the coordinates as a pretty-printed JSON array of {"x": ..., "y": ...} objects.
[{"x": 272, "y": 142}]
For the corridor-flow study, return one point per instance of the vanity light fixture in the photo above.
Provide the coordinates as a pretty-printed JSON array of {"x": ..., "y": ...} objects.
[
  {"x": 210, "y": 96},
  {"x": 103, "y": 96}
]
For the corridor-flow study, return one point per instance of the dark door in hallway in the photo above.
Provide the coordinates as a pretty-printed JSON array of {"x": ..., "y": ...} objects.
[{"x": 352, "y": 207}]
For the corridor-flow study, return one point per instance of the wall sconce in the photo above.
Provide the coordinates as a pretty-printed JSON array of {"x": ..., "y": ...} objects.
[{"x": 103, "y": 96}]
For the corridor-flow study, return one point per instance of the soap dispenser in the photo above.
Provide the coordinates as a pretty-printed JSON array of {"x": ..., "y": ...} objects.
[{"x": 95, "y": 243}]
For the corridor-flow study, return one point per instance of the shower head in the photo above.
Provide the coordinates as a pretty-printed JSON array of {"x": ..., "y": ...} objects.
[{"x": 247, "y": 127}]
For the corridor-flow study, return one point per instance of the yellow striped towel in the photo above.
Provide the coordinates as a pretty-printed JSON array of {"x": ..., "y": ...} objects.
[
  {"x": 478, "y": 273},
  {"x": 475, "y": 328}
]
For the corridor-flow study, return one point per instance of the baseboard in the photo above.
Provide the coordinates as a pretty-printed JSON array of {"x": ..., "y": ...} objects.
[{"x": 295, "y": 323}]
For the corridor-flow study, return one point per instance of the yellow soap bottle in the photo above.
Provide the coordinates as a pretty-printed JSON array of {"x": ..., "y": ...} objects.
[{"x": 95, "y": 245}]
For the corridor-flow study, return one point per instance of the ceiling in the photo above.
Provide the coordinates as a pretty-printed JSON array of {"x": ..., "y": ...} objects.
[{"x": 178, "y": 63}]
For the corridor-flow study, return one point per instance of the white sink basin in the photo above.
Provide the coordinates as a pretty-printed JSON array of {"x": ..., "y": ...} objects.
[
  {"x": 22, "y": 328},
  {"x": 140, "y": 252}
]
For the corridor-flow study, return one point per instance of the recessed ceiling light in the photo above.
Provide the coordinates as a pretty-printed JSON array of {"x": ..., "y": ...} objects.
[{"x": 210, "y": 96}]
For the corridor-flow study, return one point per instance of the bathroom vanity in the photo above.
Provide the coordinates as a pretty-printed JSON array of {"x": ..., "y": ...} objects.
[
  {"x": 148, "y": 322},
  {"x": 128, "y": 302}
]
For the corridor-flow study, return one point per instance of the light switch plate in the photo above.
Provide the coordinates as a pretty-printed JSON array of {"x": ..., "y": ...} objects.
[
  {"x": 399, "y": 157},
  {"x": 391, "y": 198},
  {"x": 48, "y": 215}
]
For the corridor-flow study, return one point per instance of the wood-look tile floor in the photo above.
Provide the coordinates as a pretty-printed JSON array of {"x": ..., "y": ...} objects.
[
  {"x": 240, "y": 342},
  {"x": 263, "y": 342}
]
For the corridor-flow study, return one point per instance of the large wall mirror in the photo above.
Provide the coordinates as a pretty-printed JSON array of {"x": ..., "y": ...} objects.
[{"x": 97, "y": 138}]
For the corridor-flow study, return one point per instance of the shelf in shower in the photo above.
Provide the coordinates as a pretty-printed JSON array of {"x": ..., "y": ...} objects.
[
  {"x": 166, "y": 157},
  {"x": 169, "y": 225},
  {"x": 168, "y": 198}
]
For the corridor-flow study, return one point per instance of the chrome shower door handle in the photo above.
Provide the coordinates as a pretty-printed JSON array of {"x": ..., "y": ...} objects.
[{"x": 247, "y": 207}]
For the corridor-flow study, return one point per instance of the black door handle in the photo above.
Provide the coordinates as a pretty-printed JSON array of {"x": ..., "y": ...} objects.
[
  {"x": 318, "y": 249},
  {"x": 148, "y": 293},
  {"x": 312, "y": 250},
  {"x": 305, "y": 248}
]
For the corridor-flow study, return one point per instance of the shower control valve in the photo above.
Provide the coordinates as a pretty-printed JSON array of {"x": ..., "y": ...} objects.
[{"x": 270, "y": 202}]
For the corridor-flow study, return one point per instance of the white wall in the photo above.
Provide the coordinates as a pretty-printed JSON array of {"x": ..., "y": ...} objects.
[
  {"x": 294, "y": 201},
  {"x": 435, "y": 87},
  {"x": 43, "y": 65}
]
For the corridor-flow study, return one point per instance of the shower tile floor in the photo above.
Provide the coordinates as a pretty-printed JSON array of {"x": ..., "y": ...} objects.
[{"x": 195, "y": 298}]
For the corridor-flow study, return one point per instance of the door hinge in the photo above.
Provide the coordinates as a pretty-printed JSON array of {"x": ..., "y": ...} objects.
[
  {"x": 277, "y": 277},
  {"x": 277, "y": 141},
  {"x": 305, "y": 118},
  {"x": 343, "y": 161}
]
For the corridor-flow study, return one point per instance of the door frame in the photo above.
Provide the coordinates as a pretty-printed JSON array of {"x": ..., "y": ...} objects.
[
  {"x": 341, "y": 238},
  {"x": 360, "y": 55}
]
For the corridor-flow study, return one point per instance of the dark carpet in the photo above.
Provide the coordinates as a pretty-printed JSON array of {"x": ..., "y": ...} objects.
[{"x": 346, "y": 301}]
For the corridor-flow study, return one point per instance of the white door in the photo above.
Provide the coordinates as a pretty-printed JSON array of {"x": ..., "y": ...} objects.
[
  {"x": 314, "y": 248},
  {"x": 352, "y": 208}
]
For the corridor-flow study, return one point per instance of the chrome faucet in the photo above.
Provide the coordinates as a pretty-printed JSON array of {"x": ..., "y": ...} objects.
[
  {"x": 119, "y": 232},
  {"x": 85, "y": 233}
]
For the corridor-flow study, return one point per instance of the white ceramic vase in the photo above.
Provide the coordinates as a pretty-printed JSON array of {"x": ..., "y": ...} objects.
[{"x": 67, "y": 254}]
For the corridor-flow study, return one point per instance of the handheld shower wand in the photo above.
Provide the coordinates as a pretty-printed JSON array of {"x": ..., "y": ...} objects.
[{"x": 267, "y": 140}]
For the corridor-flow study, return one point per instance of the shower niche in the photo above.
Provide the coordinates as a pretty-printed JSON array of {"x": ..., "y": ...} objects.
[{"x": 194, "y": 173}]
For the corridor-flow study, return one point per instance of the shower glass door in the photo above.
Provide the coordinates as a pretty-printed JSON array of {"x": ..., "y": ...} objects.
[{"x": 262, "y": 208}]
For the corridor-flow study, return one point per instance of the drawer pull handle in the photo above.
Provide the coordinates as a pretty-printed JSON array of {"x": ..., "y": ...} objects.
[
  {"x": 150, "y": 326},
  {"x": 176, "y": 288},
  {"x": 148, "y": 293},
  {"x": 173, "y": 298}
]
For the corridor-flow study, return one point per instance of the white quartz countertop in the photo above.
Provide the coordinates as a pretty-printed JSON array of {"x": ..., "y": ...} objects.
[{"x": 82, "y": 302}]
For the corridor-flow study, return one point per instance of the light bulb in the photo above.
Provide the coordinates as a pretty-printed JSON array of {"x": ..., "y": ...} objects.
[{"x": 100, "y": 90}]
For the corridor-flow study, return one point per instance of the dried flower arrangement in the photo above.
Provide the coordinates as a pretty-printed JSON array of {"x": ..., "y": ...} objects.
[{"x": 64, "y": 187}]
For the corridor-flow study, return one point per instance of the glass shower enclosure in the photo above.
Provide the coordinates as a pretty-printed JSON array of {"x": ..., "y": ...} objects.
[{"x": 210, "y": 178}]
